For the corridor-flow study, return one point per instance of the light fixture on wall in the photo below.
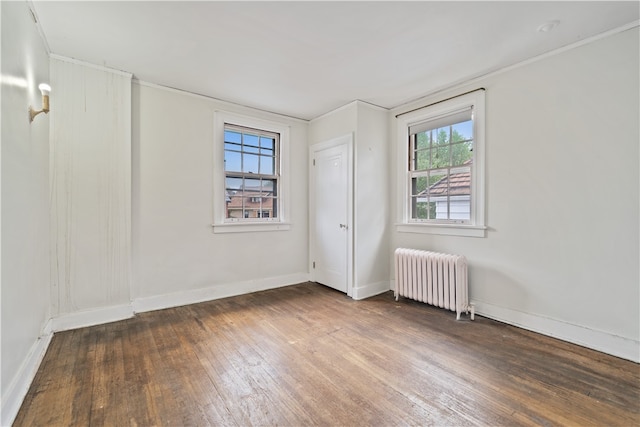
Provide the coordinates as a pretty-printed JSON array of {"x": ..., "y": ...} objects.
[{"x": 44, "y": 89}]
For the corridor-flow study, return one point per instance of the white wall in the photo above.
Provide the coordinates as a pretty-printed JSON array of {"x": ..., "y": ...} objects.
[
  {"x": 369, "y": 126},
  {"x": 177, "y": 257},
  {"x": 562, "y": 253},
  {"x": 333, "y": 124},
  {"x": 371, "y": 209},
  {"x": 25, "y": 203},
  {"x": 90, "y": 187}
]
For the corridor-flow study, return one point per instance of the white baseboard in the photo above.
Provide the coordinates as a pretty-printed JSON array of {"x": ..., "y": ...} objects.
[
  {"x": 370, "y": 290},
  {"x": 93, "y": 317},
  {"x": 177, "y": 299},
  {"x": 13, "y": 397},
  {"x": 605, "y": 342}
]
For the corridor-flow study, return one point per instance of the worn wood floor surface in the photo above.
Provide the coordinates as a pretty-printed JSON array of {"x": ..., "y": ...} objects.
[{"x": 306, "y": 355}]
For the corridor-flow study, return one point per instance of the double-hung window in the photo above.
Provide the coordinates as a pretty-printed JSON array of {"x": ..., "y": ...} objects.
[
  {"x": 441, "y": 150},
  {"x": 251, "y": 167},
  {"x": 250, "y": 179}
]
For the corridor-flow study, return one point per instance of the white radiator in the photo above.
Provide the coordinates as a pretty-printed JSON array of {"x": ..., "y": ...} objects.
[{"x": 434, "y": 278}]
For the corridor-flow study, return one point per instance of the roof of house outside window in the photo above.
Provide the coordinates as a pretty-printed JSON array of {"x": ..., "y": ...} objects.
[{"x": 457, "y": 184}]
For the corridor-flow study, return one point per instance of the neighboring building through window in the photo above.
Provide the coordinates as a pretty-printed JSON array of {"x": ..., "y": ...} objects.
[{"x": 441, "y": 149}]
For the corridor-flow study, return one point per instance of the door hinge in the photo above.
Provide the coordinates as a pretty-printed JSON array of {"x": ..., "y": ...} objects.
[
  {"x": 314, "y": 264},
  {"x": 314, "y": 162}
]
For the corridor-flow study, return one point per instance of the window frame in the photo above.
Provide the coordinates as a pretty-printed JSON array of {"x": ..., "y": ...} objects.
[
  {"x": 476, "y": 226},
  {"x": 222, "y": 224}
]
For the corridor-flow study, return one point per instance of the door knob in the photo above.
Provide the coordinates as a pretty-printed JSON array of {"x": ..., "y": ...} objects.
[{"x": 343, "y": 226}]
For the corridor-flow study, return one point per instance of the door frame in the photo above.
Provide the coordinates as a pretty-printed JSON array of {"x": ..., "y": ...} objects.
[{"x": 331, "y": 143}]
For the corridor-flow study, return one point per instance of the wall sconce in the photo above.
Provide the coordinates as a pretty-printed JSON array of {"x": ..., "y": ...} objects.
[{"x": 44, "y": 89}]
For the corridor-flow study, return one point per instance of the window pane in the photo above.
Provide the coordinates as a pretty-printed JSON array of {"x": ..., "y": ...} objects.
[
  {"x": 267, "y": 143},
  {"x": 440, "y": 157},
  {"x": 432, "y": 208},
  {"x": 234, "y": 184},
  {"x": 422, "y": 140},
  {"x": 462, "y": 131},
  {"x": 234, "y": 206},
  {"x": 460, "y": 182},
  {"x": 251, "y": 185},
  {"x": 232, "y": 161},
  {"x": 231, "y": 136},
  {"x": 267, "y": 165},
  {"x": 421, "y": 208},
  {"x": 461, "y": 153},
  {"x": 251, "y": 143},
  {"x": 232, "y": 146},
  {"x": 438, "y": 183},
  {"x": 250, "y": 163},
  {"x": 269, "y": 187},
  {"x": 421, "y": 160},
  {"x": 267, "y": 206},
  {"x": 439, "y": 209},
  {"x": 419, "y": 186},
  {"x": 460, "y": 194},
  {"x": 460, "y": 208},
  {"x": 440, "y": 136},
  {"x": 438, "y": 195}
]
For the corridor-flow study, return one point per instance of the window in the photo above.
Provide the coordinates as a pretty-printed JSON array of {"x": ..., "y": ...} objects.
[
  {"x": 251, "y": 172},
  {"x": 441, "y": 150},
  {"x": 250, "y": 179},
  {"x": 440, "y": 162}
]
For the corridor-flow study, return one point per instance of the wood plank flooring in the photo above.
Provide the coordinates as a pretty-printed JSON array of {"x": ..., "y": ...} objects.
[{"x": 307, "y": 355}]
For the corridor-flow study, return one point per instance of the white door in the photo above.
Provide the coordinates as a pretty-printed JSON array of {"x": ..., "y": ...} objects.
[{"x": 330, "y": 212}]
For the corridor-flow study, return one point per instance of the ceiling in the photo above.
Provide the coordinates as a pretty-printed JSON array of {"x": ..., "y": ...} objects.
[{"x": 303, "y": 59}]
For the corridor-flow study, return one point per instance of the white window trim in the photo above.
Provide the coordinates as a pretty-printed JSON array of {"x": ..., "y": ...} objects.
[
  {"x": 476, "y": 227},
  {"x": 220, "y": 223}
]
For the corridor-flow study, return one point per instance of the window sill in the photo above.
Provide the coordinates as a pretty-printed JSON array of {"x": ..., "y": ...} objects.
[
  {"x": 243, "y": 227},
  {"x": 443, "y": 229}
]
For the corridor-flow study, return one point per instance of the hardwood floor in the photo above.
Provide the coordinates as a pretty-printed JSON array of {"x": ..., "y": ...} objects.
[{"x": 307, "y": 355}]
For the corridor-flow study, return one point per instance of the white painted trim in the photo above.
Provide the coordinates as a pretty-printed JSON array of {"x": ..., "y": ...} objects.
[
  {"x": 90, "y": 65},
  {"x": 347, "y": 140},
  {"x": 410, "y": 104},
  {"x": 195, "y": 296},
  {"x": 605, "y": 342},
  {"x": 16, "y": 391},
  {"x": 244, "y": 227},
  {"x": 444, "y": 229},
  {"x": 92, "y": 317},
  {"x": 370, "y": 289}
]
